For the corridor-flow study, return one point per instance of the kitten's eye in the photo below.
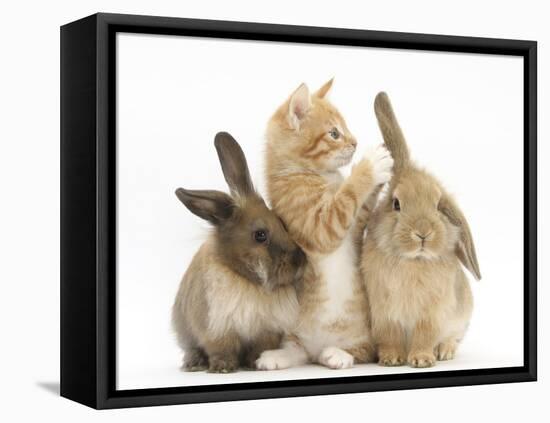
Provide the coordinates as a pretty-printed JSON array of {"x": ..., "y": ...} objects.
[
  {"x": 334, "y": 133},
  {"x": 260, "y": 236},
  {"x": 396, "y": 205}
]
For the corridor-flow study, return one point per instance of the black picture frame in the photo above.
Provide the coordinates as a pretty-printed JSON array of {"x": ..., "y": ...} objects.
[{"x": 88, "y": 200}]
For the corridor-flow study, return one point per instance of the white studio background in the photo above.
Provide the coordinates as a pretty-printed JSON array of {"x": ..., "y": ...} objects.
[
  {"x": 462, "y": 115},
  {"x": 29, "y": 179}
]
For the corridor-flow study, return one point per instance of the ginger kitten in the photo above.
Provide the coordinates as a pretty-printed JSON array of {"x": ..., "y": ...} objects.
[{"x": 307, "y": 142}]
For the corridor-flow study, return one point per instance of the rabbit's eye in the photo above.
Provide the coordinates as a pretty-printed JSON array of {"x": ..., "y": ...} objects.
[
  {"x": 334, "y": 133},
  {"x": 260, "y": 236},
  {"x": 396, "y": 205}
]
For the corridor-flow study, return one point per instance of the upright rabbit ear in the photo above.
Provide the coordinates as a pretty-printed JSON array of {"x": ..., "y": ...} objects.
[
  {"x": 465, "y": 249},
  {"x": 391, "y": 132},
  {"x": 234, "y": 166},
  {"x": 298, "y": 106},
  {"x": 214, "y": 206},
  {"x": 322, "y": 92}
]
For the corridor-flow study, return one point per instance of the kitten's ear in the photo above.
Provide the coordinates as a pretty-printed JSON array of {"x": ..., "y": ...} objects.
[
  {"x": 299, "y": 104},
  {"x": 322, "y": 92}
]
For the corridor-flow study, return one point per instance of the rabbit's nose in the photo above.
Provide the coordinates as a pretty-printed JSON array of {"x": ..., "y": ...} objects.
[{"x": 422, "y": 229}]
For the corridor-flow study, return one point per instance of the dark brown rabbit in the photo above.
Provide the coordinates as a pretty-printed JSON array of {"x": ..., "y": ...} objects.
[{"x": 238, "y": 295}]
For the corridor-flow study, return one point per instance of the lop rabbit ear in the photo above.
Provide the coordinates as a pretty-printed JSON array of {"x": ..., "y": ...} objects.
[
  {"x": 323, "y": 91},
  {"x": 465, "y": 249},
  {"x": 298, "y": 106},
  {"x": 214, "y": 206},
  {"x": 391, "y": 132},
  {"x": 234, "y": 166}
]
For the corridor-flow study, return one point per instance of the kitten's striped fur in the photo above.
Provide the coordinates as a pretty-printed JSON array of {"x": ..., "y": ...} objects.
[{"x": 307, "y": 142}]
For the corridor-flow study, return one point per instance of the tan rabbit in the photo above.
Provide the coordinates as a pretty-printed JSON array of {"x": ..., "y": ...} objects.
[
  {"x": 417, "y": 238},
  {"x": 238, "y": 296}
]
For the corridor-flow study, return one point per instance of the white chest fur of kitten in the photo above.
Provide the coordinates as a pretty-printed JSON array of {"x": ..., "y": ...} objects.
[
  {"x": 337, "y": 272},
  {"x": 337, "y": 275}
]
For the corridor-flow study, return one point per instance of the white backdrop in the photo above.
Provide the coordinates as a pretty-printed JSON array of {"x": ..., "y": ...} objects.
[
  {"x": 462, "y": 114},
  {"x": 29, "y": 179}
]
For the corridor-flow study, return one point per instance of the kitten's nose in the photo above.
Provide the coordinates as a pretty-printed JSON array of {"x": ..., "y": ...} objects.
[{"x": 353, "y": 143}]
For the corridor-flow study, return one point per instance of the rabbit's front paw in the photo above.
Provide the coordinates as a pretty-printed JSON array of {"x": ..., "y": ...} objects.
[
  {"x": 335, "y": 358},
  {"x": 220, "y": 364},
  {"x": 274, "y": 360},
  {"x": 390, "y": 358},
  {"x": 446, "y": 350},
  {"x": 421, "y": 359},
  {"x": 194, "y": 360},
  {"x": 381, "y": 162}
]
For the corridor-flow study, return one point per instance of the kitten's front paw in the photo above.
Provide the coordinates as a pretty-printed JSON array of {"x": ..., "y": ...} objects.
[
  {"x": 421, "y": 359},
  {"x": 381, "y": 162},
  {"x": 223, "y": 364},
  {"x": 273, "y": 360},
  {"x": 335, "y": 358}
]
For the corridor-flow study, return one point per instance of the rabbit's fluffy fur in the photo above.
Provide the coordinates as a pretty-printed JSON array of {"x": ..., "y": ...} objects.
[{"x": 417, "y": 238}]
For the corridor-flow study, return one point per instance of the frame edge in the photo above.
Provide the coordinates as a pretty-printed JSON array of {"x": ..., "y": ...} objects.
[{"x": 78, "y": 358}]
